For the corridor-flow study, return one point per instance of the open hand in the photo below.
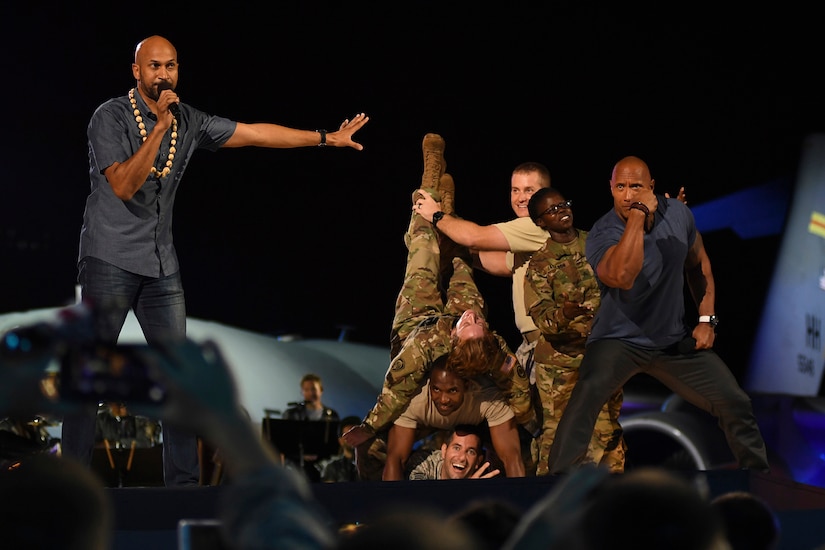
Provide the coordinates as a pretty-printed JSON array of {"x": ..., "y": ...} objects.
[
  {"x": 357, "y": 435},
  {"x": 479, "y": 474}
]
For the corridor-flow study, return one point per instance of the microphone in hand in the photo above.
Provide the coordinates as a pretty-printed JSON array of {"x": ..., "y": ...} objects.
[{"x": 174, "y": 108}]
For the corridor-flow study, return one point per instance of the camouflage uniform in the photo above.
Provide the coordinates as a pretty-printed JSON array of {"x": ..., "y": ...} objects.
[
  {"x": 422, "y": 332},
  {"x": 559, "y": 273}
]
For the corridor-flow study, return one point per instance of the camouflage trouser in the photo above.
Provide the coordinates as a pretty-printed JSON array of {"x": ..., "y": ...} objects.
[
  {"x": 419, "y": 300},
  {"x": 524, "y": 354},
  {"x": 421, "y": 295},
  {"x": 555, "y": 384}
]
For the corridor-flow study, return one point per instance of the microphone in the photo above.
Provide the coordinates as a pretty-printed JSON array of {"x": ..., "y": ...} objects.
[{"x": 174, "y": 108}]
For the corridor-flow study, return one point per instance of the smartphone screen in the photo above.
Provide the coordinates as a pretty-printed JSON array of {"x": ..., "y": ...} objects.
[{"x": 106, "y": 372}]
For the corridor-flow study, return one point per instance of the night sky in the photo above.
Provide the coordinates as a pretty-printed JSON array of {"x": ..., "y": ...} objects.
[{"x": 309, "y": 240}]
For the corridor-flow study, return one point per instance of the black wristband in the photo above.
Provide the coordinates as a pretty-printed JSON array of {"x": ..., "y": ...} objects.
[
  {"x": 437, "y": 218},
  {"x": 641, "y": 206},
  {"x": 323, "y": 138}
]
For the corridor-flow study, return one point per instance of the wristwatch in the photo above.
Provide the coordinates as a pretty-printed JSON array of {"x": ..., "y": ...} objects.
[
  {"x": 437, "y": 217},
  {"x": 712, "y": 319}
]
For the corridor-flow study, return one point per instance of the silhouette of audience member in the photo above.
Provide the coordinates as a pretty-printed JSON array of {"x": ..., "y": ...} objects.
[
  {"x": 749, "y": 522},
  {"x": 491, "y": 520},
  {"x": 341, "y": 467},
  {"x": 265, "y": 505},
  {"x": 409, "y": 529},
  {"x": 676, "y": 514},
  {"x": 460, "y": 457},
  {"x": 57, "y": 503},
  {"x": 648, "y": 508}
]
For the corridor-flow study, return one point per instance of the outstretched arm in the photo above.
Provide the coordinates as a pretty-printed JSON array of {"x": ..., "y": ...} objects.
[
  {"x": 275, "y": 136},
  {"x": 463, "y": 232}
]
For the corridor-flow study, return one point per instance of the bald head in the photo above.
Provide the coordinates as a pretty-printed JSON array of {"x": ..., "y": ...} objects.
[
  {"x": 147, "y": 46},
  {"x": 631, "y": 166}
]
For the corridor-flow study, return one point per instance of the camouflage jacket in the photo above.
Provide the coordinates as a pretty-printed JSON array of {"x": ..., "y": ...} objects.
[
  {"x": 558, "y": 273},
  {"x": 429, "y": 342}
]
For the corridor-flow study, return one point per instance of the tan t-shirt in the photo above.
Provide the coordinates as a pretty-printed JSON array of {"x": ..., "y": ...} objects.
[
  {"x": 483, "y": 400},
  {"x": 524, "y": 238}
]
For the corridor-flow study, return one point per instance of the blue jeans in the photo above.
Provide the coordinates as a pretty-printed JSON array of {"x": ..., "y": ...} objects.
[{"x": 159, "y": 306}]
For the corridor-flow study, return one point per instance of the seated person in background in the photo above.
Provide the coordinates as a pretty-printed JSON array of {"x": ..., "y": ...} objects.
[
  {"x": 340, "y": 467},
  {"x": 311, "y": 408},
  {"x": 447, "y": 401},
  {"x": 461, "y": 457},
  {"x": 433, "y": 324}
]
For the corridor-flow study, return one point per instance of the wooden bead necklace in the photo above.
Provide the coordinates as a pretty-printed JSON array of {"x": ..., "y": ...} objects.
[{"x": 168, "y": 168}]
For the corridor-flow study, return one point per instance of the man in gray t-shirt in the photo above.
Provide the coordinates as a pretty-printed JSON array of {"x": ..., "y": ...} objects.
[{"x": 139, "y": 147}]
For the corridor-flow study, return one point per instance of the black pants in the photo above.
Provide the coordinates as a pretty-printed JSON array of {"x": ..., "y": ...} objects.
[{"x": 699, "y": 377}]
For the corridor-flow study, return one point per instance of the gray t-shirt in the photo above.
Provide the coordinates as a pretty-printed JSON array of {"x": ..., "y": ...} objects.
[{"x": 136, "y": 235}]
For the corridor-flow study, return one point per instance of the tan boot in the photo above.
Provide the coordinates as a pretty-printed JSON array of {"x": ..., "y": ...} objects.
[
  {"x": 434, "y": 166},
  {"x": 446, "y": 188}
]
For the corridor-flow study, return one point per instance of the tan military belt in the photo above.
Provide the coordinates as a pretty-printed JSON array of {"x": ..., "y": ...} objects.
[{"x": 531, "y": 336}]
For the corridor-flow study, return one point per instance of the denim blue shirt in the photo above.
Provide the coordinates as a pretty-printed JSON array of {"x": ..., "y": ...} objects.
[{"x": 136, "y": 235}]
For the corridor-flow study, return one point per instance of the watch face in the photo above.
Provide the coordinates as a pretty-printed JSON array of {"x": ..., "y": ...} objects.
[{"x": 713, "y": 321}]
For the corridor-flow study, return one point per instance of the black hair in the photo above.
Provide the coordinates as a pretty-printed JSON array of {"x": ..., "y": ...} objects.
[{"x": 536, "y": 198}]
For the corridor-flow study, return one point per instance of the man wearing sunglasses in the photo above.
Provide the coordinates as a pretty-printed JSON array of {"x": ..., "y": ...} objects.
[{"x": 561, "y": 296}]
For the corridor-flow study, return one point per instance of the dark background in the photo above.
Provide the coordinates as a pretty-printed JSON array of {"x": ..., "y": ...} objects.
[{"x": 308, "y": 240}]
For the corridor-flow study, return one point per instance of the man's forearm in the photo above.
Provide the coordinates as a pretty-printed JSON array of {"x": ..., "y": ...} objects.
[
  {"x": 472, "y": 235},
  {"x": 514, "y": 466},
  {"x": 393, "y": 469}
]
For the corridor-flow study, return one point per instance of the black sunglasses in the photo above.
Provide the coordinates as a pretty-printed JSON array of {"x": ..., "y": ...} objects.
[{"x": 556, "y": 207}]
